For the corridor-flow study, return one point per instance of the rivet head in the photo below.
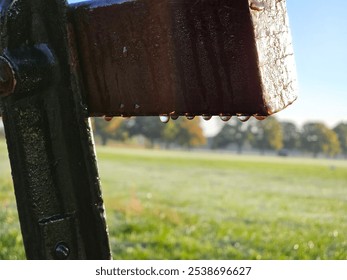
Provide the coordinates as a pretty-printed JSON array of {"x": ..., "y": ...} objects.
[
  {"x": 7, "y": 78},
  {"x": 61, "y": 251}
]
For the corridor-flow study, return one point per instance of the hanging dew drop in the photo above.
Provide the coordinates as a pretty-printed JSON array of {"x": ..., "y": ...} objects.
[
  {"x": 174, "y": 117},
  {"x": 225, "y": 118},
  {"x": 206, "y": 117},
  {"x": 108, "y": 119},
  {"x": 164, "y": 118},
  {"x": 243, "y": 118},
  {"x": 190, "y": 117},
  {"x": 260, "y": 118}
]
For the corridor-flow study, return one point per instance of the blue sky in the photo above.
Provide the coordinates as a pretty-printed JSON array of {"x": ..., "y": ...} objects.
[{"x": 319, "y": 31}]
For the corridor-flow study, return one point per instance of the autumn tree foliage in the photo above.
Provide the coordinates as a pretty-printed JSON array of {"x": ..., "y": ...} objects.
[
  {"x": 182, "y": 132},
  {"x": 314, "y": 137},
  {"x": 190, "y": 133},
  {"x": 115, "y": 129},
  {"x": 268, "y": 135},
  {"x": 318, "y": 138}
]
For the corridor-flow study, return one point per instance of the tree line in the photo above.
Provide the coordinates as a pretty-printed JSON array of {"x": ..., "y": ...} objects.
[
  {"x": 268, "y": 135},
  {"x": 272, "y": 135},
  {"x": 314, "y": 138},
  {"x": 182, "y": 132}
]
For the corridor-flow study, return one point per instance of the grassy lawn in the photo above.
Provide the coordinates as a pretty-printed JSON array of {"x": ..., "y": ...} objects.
[
  {"x": 11, "y": 246},
  {"x": 187, "y": 205}
]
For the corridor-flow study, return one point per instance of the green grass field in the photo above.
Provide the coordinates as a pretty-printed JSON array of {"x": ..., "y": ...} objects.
[{"x": 187, "y": 205}]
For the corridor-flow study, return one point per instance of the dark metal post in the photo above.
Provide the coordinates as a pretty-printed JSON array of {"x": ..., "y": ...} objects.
[{"x": 49, "y": 141}]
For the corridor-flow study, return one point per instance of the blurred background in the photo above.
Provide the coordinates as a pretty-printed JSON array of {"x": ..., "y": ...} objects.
[{"x": 191, "y": 189}]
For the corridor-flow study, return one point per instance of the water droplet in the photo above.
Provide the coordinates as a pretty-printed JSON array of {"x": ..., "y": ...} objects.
[
  {"x": 121, "y": 106},
  {"x": 225, "y": 118},
  {"x": 189, "y": 117},
  {"x": 126, "y": 116},
  {"x": 136, "y": 106},
  {"x": 243, "y": 118},
  {"x": 164, "y": 118},
  {"x": 125, "y": 51},
  {"x": 174, "y": 117},
  {"x": 260, "y": 118},
  {"x": 206, "y": 117},
  {"x": 108, "y": 119},
  {"x": 257, "y": 6}
]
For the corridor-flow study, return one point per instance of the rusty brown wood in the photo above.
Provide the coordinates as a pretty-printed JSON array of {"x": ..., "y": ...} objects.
[{"x": 152, "y": 57}]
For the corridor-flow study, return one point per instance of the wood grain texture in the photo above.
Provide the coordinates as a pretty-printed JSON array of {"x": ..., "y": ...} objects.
[
  {"x": 151, "y": 57},
  {"x": 275, "y": 54}
]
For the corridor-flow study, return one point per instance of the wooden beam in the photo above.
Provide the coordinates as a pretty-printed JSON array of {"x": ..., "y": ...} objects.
[{"x": 205, "y": 57}]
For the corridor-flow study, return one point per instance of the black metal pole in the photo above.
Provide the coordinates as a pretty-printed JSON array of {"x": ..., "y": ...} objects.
[{"x": 49, "y": 141}]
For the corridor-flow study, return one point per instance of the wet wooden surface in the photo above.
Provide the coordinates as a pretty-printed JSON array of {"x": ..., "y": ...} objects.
[{"x": 212, "y": 57}]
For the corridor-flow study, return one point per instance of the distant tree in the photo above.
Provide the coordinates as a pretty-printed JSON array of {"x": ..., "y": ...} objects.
[
  {"x": 268, "y": 135},
  {"x": 318, "y": 138},
  {"x": 170, "y": 132},
  {"x": 291, "y": 136},
  {"x": 332, "y": 147},
  {"x": 234, "y": 132},
  {"x": 149, "y": 127},
  {"x": 341, "y": 131},
  {"x": 184, "y": 132},
  {"x": 106, "y": 130},
  {"x": 223, "y": 137},
  {"x": 190, "y": 133}
]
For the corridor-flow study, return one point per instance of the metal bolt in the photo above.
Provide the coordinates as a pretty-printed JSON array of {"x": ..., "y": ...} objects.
[
  {"x": 7, "y": 78},
  {"x": 61, "y": 251}
]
